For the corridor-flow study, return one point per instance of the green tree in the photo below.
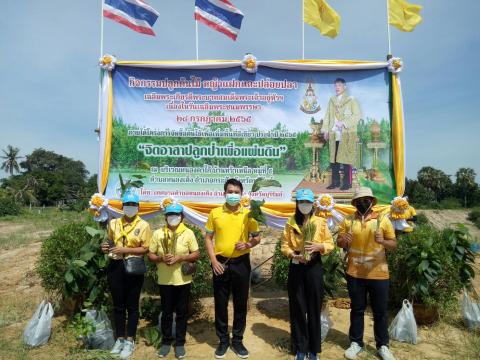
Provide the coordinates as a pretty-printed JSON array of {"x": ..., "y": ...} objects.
[
  {"x": 465, "y": 185},
  {"x": 49, "y": 178},
  {"x": 435, "y": 180},
  {"x": 10, "y": 163},
  {"x": 418, "y": 194}
]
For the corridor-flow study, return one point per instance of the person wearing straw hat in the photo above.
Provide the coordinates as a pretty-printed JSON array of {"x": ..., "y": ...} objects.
[
  {"x": 173, "y": 246},
  {"x": 305, "y": 238},
  {"x": 366, "y": 235},
  {"x": 128, "y": 236}
]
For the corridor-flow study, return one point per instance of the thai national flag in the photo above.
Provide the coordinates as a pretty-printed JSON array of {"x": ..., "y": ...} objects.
[
  {"x": 136, "y": 14},
  {"x": 220, "y": 15}
]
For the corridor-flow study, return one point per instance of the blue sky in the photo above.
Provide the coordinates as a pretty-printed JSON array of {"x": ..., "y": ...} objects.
[{"x": 49, "y": 52}]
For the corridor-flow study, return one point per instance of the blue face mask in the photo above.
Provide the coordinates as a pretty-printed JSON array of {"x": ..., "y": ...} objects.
[{"x": 233, "y": 199}]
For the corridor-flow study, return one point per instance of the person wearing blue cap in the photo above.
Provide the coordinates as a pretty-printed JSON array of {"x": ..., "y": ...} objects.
[
  {"x": 305, "y": 238},
  {"x": 174, "y": 248},
  {"x": 128, "y": 236}
]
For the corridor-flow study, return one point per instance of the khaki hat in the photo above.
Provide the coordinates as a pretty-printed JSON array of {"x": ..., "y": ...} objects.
[{"x": 362, "y": 192}]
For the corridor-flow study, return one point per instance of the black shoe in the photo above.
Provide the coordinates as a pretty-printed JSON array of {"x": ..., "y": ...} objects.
[
  {"x": 346, "y": 187},
  {"x": 333, "y": 186},
  {"x": 240, "y": 350},
  {"x": 221, "y": 350}
]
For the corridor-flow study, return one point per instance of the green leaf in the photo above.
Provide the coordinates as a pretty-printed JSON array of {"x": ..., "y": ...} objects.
[
  {"x": 261, "y": 183},
  {"x": 138, "y": 176},
  {"x": 79, "y": 263},
  {"x": 68, "y": 277},
  {"x": 87, "y": 256},
  {"x": 136, "y": 184}
]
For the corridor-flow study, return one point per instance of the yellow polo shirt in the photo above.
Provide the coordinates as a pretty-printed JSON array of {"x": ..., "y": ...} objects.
[
  {"x": 366, "y": 257},
  {"x": 229, "y": 228},
  {"x": 293, "y": 239},
  {"x": 132, "y": 234},
  {"x": 186, "y": 243}
]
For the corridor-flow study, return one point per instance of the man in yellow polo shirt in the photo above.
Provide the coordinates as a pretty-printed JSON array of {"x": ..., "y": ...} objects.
[{"x": 230, "y": 234}]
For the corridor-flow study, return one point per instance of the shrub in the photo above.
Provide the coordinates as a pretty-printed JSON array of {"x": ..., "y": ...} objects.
[
  {"x": 72, "y": 267},
  {"x": 280, "y": 266},
  {"x": 474, "y": 216},
  {"x": 431, "y": 266},
  {"x": 8, "y": 205},
  {"x": 422, "y": 219}
]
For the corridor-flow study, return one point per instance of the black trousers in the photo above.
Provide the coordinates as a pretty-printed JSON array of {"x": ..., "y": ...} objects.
[
  {"x": 236, "y": 280},
  {"x": 347, "y": 169},
  {"x": 378, "y": 293},
  {"x": 305, "y": 296},
  {"x": 174, "y": 298},
  {"x": 125, "y": 290}
]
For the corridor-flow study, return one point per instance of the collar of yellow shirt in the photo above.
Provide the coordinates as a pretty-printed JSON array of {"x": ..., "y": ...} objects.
[
  {"x": 291, "y": 222},
  {"x": 123, "y": 232},
  {"x": 240, "y": 209},
  {"x": 180, "y": 229}
]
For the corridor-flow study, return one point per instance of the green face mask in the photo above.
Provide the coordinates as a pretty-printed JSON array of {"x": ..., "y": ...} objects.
[{"x": 233, "y": 199}]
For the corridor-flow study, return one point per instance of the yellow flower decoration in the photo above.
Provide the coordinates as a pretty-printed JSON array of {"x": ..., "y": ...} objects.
[
  {"x": 399, "y": 208},
  {"x": 107, "y": 62},
  {"x": 167, "y": 202},
  {"x": 397, "y": 64},
  {"x": 245, "y": 201},
  {"x": 326, "y": 201},
  {"x": 97, "y": 201},
  {"x": 251, "y": 63}
]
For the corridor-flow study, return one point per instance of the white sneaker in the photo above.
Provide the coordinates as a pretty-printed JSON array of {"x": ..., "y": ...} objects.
[
  {"x": 127, "y": 350},
  {"x": 385, "y": 354},
  {"x": 352, "y": 352},
  {"x": 117, "y": 347}
]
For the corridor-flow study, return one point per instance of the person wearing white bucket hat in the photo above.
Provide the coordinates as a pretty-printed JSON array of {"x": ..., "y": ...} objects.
[{"x": 366, "y": 235}]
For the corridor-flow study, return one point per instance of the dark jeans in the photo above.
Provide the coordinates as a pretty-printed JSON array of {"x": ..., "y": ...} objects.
[
  {"x": 174, "y": 298},
  {"x": 305, "y": 295},
  {"x": 235, "y": 280},
  {"x": 378, "y": 294},
  {"x": 125, "y": 291}
]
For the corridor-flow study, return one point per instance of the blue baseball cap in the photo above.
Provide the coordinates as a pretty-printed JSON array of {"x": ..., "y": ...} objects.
[
  {"x": 305, "y": 194},
  {"x": 174, "y": 209},
  {"x": 130, "y": 196}
]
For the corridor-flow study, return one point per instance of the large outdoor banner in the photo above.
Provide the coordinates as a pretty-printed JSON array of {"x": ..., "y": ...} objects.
[{"x": 186, "y": 129}]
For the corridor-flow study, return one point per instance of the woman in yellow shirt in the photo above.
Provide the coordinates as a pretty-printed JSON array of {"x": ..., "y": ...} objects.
[
  {"x": 128, "y": 236},
  {"x": 172, "y": 247},
  {"x": 305, "y": 274},
  {"x": 366, "y": 235}
]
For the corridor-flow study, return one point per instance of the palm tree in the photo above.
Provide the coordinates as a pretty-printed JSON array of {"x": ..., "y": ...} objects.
[
  {"x": 466, "y": 183},
  {"x": 10, "y": 164}
]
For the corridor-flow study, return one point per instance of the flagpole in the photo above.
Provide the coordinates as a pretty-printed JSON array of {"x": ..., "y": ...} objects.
[
  {"x": 99, "y": 114},
  {"x": 388, "y": 28},
  {"x": 303, "y": 31},
  {"x": 101, "y": 29},
  {"x": 196, "y": 38}
]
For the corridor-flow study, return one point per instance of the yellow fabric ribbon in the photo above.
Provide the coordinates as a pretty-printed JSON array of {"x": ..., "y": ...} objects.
[{"x": 123, "y": 232}]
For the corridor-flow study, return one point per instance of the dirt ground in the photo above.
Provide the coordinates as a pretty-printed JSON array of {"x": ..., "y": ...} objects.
[{"x": 267, "y": 334}]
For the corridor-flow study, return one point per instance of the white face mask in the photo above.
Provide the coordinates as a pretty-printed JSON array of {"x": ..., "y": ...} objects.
[
  {"x": 174, "y": 220},
  {"x": 305, "y": 209},
  {"x": 130, "y": 211}
]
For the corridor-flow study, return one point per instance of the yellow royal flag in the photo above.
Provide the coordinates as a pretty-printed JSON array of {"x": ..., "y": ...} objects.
[
  {"x": 321, "y": 15},
  {"x": 403, "y": 15}
]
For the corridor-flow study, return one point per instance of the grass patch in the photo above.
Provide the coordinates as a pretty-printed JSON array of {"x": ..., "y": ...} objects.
[{"x": 33, "y": 225}]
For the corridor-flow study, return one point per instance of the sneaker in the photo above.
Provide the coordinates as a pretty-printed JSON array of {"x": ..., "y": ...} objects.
[
  {"x": 352, "y": 352},
  {"x": 385, "y": 354},
  {"x": 221, "y": 350},
  {"x": 164, "y": 350},
  {"x": 128, "y": 348},
  {"x": 117, "y": 347},
  {"x": 300, "y": 356},
  {"x": 240, "y": 350},
  {"x": 312, "y": 356},
  {"x": 180, "y": 352}
]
